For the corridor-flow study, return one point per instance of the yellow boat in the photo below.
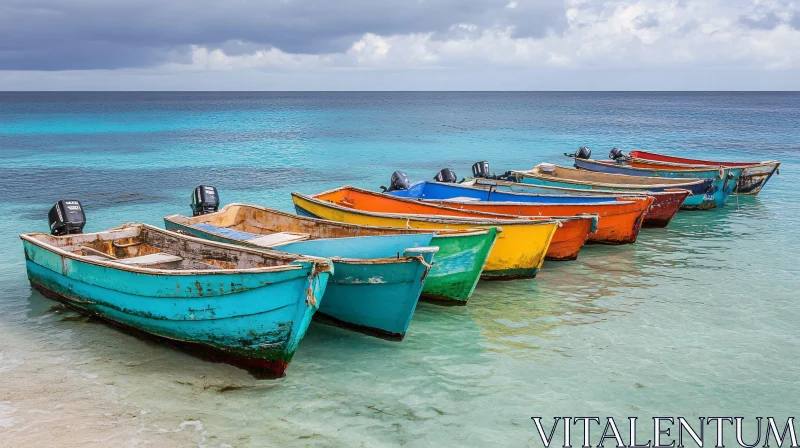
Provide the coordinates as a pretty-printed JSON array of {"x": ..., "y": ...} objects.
[{"x": 518, "y": 252}]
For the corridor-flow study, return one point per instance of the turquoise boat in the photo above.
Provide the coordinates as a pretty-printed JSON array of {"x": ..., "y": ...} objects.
[
  {"x": 377, "y": 280},
  {"x": 232, "y": 304},
  {"x": 724, "y": 179}
]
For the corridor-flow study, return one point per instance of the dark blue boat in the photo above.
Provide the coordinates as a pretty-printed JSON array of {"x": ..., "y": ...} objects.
[{"x": 454, "y": 192}]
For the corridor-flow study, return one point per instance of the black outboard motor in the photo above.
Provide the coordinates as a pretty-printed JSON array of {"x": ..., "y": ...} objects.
[
  {"x": 66, "y": 218},
  {"x": 446, "y": 175},
  {"x": 399, "y": 182},
  {"x": 205, "y": 199},
  {"x": 616, "y": 154},
  {"x": 481, "y": 170},
  {"x": 583, "y": 153}
]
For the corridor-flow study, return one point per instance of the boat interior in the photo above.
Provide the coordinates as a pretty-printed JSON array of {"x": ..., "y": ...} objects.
[
  {"x": 139, "y": 245},
  {"x": 265, "y": 227},
  {"x": 559, "y": 173}
]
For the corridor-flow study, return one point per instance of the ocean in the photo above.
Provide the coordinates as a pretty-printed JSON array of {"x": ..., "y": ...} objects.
[{"x": 693, "y": 320}]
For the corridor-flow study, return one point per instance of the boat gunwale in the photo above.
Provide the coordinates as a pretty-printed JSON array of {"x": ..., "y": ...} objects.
[
  {"x": 290, "y": 266},
  {"x": 634, "y": 186},
  {"x": 577, "y": 191},
  {"x": 344, "y": 260},
  {"x": 709, "y": 163},
  {"x": 700, "y": 169},
  {"x": 502, "y": 220},
  {"x": 432, "y": 202},
  {"x": 610, "y": 202},
  {"x": 439, "y": 233}
]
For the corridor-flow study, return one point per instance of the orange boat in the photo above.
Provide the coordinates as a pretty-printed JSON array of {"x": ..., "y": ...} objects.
[{"x": 619, "y": 221}]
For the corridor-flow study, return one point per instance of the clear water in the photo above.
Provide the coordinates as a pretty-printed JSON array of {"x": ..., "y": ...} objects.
[{"x": 694, "y": 320}]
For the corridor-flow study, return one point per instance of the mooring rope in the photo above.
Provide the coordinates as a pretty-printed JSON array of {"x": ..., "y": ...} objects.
[{"x": 421, "y": 259}]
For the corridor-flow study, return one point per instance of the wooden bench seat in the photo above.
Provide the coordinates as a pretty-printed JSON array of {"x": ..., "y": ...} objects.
[{"x": 149, "y": 260}]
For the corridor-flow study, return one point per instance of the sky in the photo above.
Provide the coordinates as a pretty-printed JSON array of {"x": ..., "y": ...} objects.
[{"x": 399, "y": 45}]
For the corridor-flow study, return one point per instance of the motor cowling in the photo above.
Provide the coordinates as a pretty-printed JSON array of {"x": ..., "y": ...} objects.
[
  {"x": 205, "y": 199},
  {"x": 446, "y": 175},
  {"x": 66, "y": 218},
  {"x": 616, "y": 154},
  {"x": 583, "y": 153},
  {"x": 481, "y": 170},
  {"x": 399, "y": 181}
]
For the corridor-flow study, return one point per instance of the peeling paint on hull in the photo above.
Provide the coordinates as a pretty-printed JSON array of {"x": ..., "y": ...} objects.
[
  {"x": 253, "y": 320},
  {"x": 751, "y": 181},
  {"x": 754, "y": 178},
  {"x": 260, "y": 368},
  {"x": 379, "y": 294},
  {"x": 456, "y": 267}
]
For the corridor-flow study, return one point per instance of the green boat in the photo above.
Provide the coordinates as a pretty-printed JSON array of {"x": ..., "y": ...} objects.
[{"x": 456, "y": 268}]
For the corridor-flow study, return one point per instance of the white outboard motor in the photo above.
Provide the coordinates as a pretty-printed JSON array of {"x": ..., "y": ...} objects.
[
  {"x": 205, "y": 199},
  {"x": 447, "y": 176},
  {"x": 66, "y": 218},
  {"x": 399, "y": 181},
  {"x": 481, "y": 170},
  {"x": 617, "y": 154}
]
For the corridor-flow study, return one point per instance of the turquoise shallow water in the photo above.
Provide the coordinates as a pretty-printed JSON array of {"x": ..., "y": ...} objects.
[{"x": 694, "y": 320}]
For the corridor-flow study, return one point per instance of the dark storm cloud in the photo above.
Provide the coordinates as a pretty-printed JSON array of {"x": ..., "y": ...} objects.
[{"x": 101, "y": 34}]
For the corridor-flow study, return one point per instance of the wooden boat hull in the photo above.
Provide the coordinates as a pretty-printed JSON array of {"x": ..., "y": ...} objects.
[
  {"x": 372, "y": 290},
  {"x": 518, "y": 252},
  {"x": 451, "y": 280},
  {"x": 701, "y": 198},
  {"x": 619, "y": 221},
  {"x": 665, "y": 203},
  {"x": 751, "y": 181},
  {"x": 248, "y": 318}
]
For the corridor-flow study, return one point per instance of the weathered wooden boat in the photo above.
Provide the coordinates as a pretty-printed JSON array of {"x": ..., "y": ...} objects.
[
  {"x": 619, "y": 221},
  {"x": 724, "y": 179},
  {"x": 518, "y": 252},
  {"x": 665, "y": 205},
  {"x": 377, "y": 280},
  {"x": 701, "y": 197},
  {"x": 451, "y": 280},
  {"x": 751, "y": 181},
  {"x": 246, "y": 307}
]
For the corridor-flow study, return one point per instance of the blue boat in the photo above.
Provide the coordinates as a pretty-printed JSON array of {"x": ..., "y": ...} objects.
[
  {"x": 377, "y": 280},
  {"x": 703, "y": 191},
  {"x": 724, "y": 179},
  {"x": 246, "y": 307},
  {"x": 439, "y": 191}
]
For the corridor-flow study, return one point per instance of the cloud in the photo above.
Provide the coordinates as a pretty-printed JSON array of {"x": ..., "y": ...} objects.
[
  {"x": 98, "y": 34},
  {"x": 330, "y": 41}
]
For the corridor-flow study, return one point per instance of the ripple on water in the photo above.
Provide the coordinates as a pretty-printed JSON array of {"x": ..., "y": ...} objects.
[{"x": 694, "y": 319}]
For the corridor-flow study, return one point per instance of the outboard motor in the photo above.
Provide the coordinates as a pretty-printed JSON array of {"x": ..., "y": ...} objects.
[
  {"x": 399, "y": 182},
  {"x": 66, "y": 218},
  {"x": 205, "y": 199},
  {"x": 617, "y": 154},
  {"x": 481, "y": 170},
  {"x": 583, "y": 153},
  {"x": 446, "y": 175}
]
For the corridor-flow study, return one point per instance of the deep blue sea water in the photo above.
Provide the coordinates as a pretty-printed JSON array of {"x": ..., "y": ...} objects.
[{"x": 694, "y": 320}]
